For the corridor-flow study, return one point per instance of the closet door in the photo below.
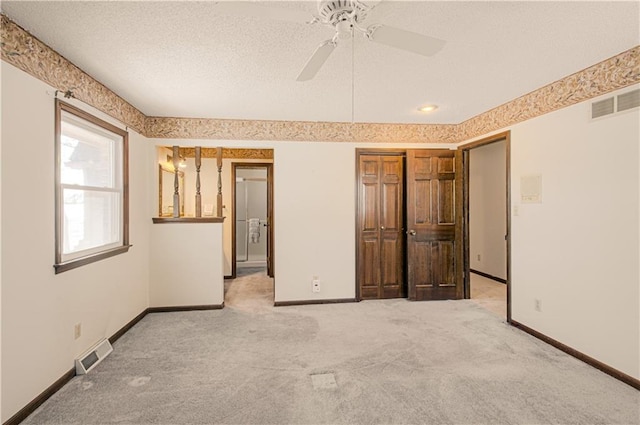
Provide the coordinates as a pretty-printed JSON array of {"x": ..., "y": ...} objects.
[
  {"x": 434, "y": 247},
  {"x": 380, "y": 227}
]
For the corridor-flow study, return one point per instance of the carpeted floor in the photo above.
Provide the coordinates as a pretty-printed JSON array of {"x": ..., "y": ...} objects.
[
  {"x": 374, "y": 362},
  {"x": 251, "y": 291},
  {"x": 489, "y": 294}
]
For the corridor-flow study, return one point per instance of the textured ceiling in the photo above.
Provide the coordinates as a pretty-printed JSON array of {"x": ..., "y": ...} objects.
[{"x": 185, "y": 59}]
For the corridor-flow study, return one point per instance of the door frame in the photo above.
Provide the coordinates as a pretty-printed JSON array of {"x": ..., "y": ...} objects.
[
  {"x": 270, "y": 209},
  {"x": 506, "y": 137},
  {"x": 370, "y": 151}
]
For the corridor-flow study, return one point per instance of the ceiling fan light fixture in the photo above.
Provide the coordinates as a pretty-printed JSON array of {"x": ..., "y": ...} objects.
[{"x": 428, "y": 108}]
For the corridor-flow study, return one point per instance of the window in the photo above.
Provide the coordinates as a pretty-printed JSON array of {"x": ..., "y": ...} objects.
[{"x": 92, "y": 200}]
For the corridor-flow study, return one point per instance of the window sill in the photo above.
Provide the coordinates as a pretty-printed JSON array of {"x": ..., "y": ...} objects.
[{"x": 82, "y": 261}]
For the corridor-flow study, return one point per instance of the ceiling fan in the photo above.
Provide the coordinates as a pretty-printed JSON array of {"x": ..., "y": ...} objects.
[{"x": 346, "y": 17}]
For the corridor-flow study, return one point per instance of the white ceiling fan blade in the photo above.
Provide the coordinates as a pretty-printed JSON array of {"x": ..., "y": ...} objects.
[
  {"x": 405, "y": 40},
  {"x": 316, "y": 61},
  {"x": 248, "y": 8}
]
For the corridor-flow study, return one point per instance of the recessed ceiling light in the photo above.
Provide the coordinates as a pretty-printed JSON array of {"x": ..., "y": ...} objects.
[{"x": 428, "y": 108}]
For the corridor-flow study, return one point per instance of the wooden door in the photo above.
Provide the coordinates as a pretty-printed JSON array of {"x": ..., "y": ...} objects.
[
  {"x": 380, "y": 227},
  {"x": 434, "y": 253}
]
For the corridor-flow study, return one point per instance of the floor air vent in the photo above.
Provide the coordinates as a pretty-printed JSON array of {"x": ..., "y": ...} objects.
[
  {"x": 91, "y": 358},
  {"x": 602, "y": 108},
  {"x": 629, "y": 100}
]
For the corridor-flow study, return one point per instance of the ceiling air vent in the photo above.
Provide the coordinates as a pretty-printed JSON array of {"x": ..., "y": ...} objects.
[
  {"x": 629, "y": 100},
  {"x": 602, "y": 108}
]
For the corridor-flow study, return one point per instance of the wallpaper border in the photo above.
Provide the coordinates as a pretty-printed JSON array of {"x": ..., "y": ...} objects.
[
  {"x": 26, "y": 52},
  {"x": 297, "y": 131},
  {"x": 617, "y": 72},
  {"x": 228, "y": 153}
]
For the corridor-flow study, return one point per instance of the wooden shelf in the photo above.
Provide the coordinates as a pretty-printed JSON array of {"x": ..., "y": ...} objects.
[{"x": 173, "y": 220}]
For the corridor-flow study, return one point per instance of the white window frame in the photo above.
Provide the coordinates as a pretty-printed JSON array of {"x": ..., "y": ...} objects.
[{"x": 68, "y": 261}]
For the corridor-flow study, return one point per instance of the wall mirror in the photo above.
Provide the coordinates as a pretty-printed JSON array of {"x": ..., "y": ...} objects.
[{"x": 166, "y": 189}]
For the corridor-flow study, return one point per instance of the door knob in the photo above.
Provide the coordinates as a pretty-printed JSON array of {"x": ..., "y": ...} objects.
[
  {"x": 381, "y": 227},
  {"x": 412, "y": 232}
]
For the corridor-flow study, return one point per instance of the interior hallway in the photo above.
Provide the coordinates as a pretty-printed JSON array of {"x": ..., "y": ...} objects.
[
  {"x": 489, "y": 294},
  {"x": 251, "y": 291}
]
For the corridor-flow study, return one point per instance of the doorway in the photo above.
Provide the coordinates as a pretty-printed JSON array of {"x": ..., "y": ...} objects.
[
  {"x": 409, "y": 224},
  {"x": 487, "y": 223},
  {"x": 252, "y": 216},
  {"x": 251, "y": 285}
]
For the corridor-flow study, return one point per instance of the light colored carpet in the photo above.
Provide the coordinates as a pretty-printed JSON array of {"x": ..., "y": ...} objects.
[
  {"x": 251, "y": 291},
  {"x": 374, "y": 362},
  {"x": 489, "y": 294}
]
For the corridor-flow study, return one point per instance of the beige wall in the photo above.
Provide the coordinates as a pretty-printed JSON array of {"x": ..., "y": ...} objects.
[
  {"x": 577, "y": 251},
  {"x": 209, "y": 186},
  {"x": 314, "y": 213},
  {"x": 40, "y": 308},
  {"x": 186, "y": 265},
  {"x": 488, "y": 209}
]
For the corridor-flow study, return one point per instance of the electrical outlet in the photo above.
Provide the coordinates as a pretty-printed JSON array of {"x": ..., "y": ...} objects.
[
  {"x": 77, "y": 330},
  {"x": 537, "y": 304},
  {"x": 478, "y": 257},
  {"x": 315, "y": 284},
  {"x": 516, "y": 210}
]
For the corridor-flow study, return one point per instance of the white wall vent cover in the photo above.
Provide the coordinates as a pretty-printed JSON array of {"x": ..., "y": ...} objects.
[
  {"x": 629, "y": 100},
  {"x": 93, "y": 356},
  {"x": 602, "y": 108}
]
